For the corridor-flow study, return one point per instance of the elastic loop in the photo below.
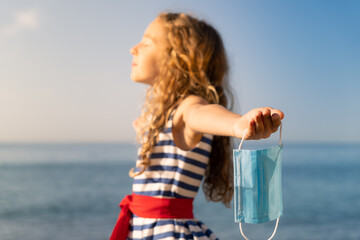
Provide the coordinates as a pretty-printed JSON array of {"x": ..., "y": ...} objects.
[
  {"x": 272, "y": 235},
  {"x": 280, "y": 133},
  {"x": 242, "y": 139}
]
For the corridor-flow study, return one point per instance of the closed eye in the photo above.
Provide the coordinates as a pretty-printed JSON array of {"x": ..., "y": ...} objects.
[{"x": 146, "y": 42}]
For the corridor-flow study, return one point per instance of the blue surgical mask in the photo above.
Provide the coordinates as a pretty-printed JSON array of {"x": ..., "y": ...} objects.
[{"x": 257, "y": 185}]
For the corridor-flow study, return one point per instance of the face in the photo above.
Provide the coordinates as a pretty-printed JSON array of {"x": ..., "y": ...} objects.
[{"x": 146, "y": 54}]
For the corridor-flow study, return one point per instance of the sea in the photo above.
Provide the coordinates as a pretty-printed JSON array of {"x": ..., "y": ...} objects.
[{"x": 62, "y": 191}]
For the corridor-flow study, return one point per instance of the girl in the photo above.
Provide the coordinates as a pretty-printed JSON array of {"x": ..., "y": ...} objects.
[{"x": 184, "y": 130}]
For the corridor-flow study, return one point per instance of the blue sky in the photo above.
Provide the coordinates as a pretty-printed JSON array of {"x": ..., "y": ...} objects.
[{"x": 65, "y": 65}]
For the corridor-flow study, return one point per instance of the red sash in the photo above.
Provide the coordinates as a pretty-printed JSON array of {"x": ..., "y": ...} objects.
[{"x": 149, "y": 207}]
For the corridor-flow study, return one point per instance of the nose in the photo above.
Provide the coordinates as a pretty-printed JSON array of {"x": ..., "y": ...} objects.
[{"x": 133, "y": 50}]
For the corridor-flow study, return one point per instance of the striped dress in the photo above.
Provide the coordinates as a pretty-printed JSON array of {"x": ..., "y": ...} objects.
[{"x": 173, "y": 173}]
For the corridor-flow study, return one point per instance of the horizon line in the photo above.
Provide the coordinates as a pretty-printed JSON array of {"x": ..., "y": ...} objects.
[{"x": 71, "y": 142}]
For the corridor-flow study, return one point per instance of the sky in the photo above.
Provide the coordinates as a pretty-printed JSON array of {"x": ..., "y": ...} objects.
[{"x": 65, "y": 65}]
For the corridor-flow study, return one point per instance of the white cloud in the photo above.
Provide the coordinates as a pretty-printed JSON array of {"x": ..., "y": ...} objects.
[{"x": 23, "y": 20}]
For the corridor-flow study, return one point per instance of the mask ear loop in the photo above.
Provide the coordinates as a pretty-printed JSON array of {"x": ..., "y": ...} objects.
[
  {"x": 272, "y": 235},
  {"x": 280, "y": 133},
  {"x": 242, "y": 139},
  {"x": 277, "y": 220}
]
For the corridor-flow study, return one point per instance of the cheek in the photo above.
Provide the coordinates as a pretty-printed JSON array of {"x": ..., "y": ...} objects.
[
  {"x": 152, "y": 66},
  {"x": 147, "y": 69}
]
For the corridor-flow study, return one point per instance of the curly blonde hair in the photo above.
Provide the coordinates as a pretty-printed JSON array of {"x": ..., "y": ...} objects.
[{"x": 194, "y": 62}]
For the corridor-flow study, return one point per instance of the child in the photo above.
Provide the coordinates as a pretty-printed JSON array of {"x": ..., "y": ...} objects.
[{"x": 184, "y": 130}]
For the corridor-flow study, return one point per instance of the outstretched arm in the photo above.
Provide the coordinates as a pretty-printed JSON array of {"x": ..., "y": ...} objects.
[{"x": 200, "y": 117}]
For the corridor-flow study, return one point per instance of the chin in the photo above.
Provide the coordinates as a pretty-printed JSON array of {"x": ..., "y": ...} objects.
[
  {"x": 135, "y": 79},
  {"x": 141, "y": 80}
]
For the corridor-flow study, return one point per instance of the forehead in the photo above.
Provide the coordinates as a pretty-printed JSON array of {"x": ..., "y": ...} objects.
[{"x": 156, "y": 30}]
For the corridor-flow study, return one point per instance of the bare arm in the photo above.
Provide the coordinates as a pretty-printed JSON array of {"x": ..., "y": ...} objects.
[
  {"x": 211, "y": 118},
  {"x": 200, "y": 117}
]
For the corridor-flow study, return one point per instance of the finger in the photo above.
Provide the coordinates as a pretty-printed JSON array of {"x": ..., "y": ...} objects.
[
  {"x": 251, "y": 130},
  {"x": 267, "y": 123},
  {"x": 277, "y": 111},
  {"x": 276, "y": 121},
  {"x": 259, "y": 124}
]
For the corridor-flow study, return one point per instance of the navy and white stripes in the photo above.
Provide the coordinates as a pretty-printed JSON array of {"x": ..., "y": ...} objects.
[{"x": 173, "y": 173}]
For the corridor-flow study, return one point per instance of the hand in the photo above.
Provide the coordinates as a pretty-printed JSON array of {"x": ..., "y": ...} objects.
[
  {"x": 136, "y": 124},
  {"x": 260, "y": 122}
]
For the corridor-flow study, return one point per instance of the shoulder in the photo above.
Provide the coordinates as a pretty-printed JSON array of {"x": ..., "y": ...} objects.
[
  {"x": 191, "y": 101},
  {"x": 188, "y": 104}
]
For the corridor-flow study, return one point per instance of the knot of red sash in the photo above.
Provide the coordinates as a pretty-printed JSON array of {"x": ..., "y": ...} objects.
[{"x": 150, "y": 207}]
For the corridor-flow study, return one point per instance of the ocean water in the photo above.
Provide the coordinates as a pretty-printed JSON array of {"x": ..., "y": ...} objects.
[{"x": 72, "y": 191}]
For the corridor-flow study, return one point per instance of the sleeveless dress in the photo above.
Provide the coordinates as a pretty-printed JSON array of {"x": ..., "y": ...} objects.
[{"x": 173, "y": 173}]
